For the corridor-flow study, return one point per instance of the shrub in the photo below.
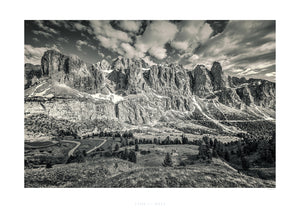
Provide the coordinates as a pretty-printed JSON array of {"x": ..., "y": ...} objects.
[
  {"x": 107, "y": 154},
  {"x": 227, "y": 156},
  {"x": 76, "y": 158},
  {"x": 124, "y": 154},
  {"x": 182, "y": 163},
  {"x": 117, "y": 147},
  {"x": 136, "y": 147},
  {"x": 168, "y": 160},
  {"x": 48, "y": 165},
  {"x": 132, "y": 157},
  {"x": 245, "y": 163},
  {"x": 215, "y": 154},
  {"x": 144, "y": 152}
]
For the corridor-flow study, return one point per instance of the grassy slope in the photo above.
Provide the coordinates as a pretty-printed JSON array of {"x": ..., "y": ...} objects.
[{"x": 104, "y": 172}]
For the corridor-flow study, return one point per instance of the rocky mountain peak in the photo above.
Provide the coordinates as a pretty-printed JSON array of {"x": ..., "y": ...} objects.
[
  {"x": 216, "y": 67},
  {"x": 218, "y": 78},
  {"x": 201, "y": 83},
  {"x": 174, "y": 86},
  {"x": 104, "y": 64},
  {"x": 121, "y": 63}
]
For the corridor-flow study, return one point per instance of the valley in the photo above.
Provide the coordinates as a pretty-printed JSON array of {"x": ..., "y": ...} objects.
[{"x": 129, "y": 124}]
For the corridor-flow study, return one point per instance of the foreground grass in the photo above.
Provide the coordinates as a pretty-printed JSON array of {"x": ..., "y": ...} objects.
[{"x": 113, "y": 172}]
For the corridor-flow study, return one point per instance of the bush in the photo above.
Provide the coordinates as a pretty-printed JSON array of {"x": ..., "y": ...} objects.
[
  {"x": 132, "y": 157},
  {"x": 144, "y": 152},
  {"x": 227, "y": 156},
  {"x": 76, "y": 158},
  {"x": 48, "y": 166},
  {"x": 182, "y": 163},
  {"x": 168, "y": 160},
  {"x": 107, "y": 154},
  {"x": 124, "y": 154},
  {"x": 245, "y": 163},
  {"x": 117, "y": 147},
  {"x": 215, "y": 154}
]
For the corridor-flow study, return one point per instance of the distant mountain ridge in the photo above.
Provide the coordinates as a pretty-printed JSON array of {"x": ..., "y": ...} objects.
[{"x": 131, "y": 91}]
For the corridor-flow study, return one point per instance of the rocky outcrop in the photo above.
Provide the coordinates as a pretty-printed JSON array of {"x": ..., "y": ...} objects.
[
  {"x": 122, "y": 63},
  {"x": 32, "y": 74},
  {"x": 104, "y": 65},
  {"x": 132, "y": 92},
  {"x": 73, "y": 72},
  {"x": 72, "y": 110},
  {"x": 263, "y": 93},
  {"x": 218, "y": 78},
  {"x": 168, "y": 79},
  {"x": 201, "y": 84}
]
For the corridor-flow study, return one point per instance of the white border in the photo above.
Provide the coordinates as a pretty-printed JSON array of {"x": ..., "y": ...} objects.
[{"x": 15, "y": 198}]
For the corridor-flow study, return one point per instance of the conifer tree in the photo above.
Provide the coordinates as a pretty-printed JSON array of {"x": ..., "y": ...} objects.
[
  {"x": 132, "y": 157},
  {"x": 168, "y": 160},
  {"x": 117, "y": 147},
  {"x": 136, "y": 147}
]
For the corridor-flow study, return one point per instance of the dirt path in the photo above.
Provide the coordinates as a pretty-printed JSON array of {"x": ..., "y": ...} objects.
[
  {"x": 96, "y": 147},
  {"x": 72, "y": 150},
  {"x": 228, "y": 166}
]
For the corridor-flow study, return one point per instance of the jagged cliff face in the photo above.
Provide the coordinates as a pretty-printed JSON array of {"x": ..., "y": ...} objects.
[
  {"x": 32, "y": 75},
  {"x": 73, "y": 72},
  {"x": 132, "y": 92}
]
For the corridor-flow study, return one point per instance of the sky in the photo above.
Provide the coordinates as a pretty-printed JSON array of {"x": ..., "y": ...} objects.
[{"x": 244, "y": 48}]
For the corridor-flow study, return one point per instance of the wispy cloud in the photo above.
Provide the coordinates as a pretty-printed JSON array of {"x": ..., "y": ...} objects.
[
  {"x": 191, "y": 34},
  {"x": 62, "y": 39},
  {"x": 81, "y": 43},
  {"x": 156, "y": 35},
  {"x": 33, "y": 55},
  {"x": 43, "y": 26},
  {"x": 45, "y": 34},
  {"x": 244, "y": 48},
  {"x": 131, "y": 26}
]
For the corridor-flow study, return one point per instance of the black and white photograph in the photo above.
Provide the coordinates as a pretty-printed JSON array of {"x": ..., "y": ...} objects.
[{"x": 149, "y": 104}]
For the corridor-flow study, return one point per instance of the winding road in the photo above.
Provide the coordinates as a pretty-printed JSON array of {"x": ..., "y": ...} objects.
[
  {"x": 96, "y": 147},
  {"x": 72, "y": 150}
]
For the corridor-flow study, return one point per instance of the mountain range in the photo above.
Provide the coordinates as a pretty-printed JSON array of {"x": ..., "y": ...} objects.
[{"x": 132, "y": 94}]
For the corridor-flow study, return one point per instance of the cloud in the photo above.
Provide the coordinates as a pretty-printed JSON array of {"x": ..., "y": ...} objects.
[
  {"x": 109, "y": 37},
  {"x": 45, "y": 34},
  {"x": 79, "y": 26},
  {"x": 243, "y": 48},
  {"x": 148, "y": 60},
  {"x": 180, "y": 45},
  {"x": 66, "y": 24},
  {"x": 65, "y": 40},
  {"x": 33, "y": 55},
  {"x": 100, "y": 54},
  {"x": 153, "y": 40},
  {"x": 194, "y": 58},
  {"x": 80, "y": 43},
  {"x": 158, "y": 52},
  {"x": 131, "y": 26},
  {"x": 42, "y": 25},
  {"x": 271, "y": 74},
  {"x": 191, "y": 34},
  {"x": 156, "y": 35},
  {"x": 130, "y": 51},
  {"x": 104, "y": 28}
]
